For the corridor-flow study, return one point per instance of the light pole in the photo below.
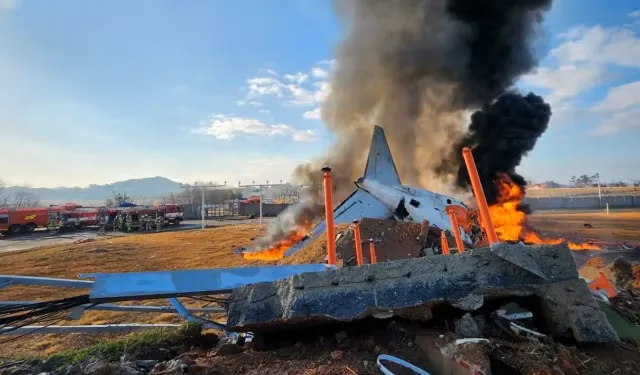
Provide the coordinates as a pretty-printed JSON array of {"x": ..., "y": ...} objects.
[{"x": 599, "y": 192}]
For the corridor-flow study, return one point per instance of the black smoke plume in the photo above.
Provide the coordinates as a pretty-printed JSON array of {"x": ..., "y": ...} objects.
[{"x": 500, "y": 135}]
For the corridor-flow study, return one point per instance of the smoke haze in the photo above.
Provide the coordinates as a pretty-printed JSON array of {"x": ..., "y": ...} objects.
[{"x": 416, "y": 68}]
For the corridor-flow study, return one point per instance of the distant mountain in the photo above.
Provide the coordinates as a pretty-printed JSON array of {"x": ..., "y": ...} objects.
[{"x": 149, "y": 188}]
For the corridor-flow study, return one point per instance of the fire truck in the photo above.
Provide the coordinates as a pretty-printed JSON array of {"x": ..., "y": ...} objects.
[
  {"x": 73, "y": 216},
  {"x": 27, "y": 219}
]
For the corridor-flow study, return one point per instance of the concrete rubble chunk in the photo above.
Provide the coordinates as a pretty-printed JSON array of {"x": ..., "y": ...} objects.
[
  {"x": 543, "y": 272},
  {"x": 467, "y": 326}
]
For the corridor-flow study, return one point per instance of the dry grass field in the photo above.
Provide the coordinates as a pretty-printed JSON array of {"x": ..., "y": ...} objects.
[{"x": 207, "y": 249}]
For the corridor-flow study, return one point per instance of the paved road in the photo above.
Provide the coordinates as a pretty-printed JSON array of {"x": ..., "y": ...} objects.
[{"x": 42, "y": 238}]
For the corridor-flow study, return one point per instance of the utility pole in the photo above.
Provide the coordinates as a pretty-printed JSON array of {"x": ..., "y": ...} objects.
[
  {"x": 599, "y": 192},
  {"x": 203, "y": 186}
]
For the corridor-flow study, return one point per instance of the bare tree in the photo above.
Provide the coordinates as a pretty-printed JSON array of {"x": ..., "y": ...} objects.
[
  {"x": 3, "y": 197},
  {"x": 23, "y": 198}
]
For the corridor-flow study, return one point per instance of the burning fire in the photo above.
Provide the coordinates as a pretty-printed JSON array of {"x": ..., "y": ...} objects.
[
  {"x": 511, "y": 223},
  {"x": 277, "y": 250}
]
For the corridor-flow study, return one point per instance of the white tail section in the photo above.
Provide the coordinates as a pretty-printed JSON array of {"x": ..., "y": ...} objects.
[{"x": 380, "y": 165}]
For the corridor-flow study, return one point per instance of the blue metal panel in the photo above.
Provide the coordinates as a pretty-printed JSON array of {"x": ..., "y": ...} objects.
[
  {"x": 162, "y": 284},
  {"x": 44, "y": 281}
]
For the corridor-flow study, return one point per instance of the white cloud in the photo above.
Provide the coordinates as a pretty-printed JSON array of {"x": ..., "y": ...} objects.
[
  {"x": 619, "y": 121},
  {"x": 620, "y": 108},
  {"x": 264, "y": 111},
  {"x": 243, "y": 103},
  {"x": 263, "y": 86},
  {"x": 614, "y": 45},
  {"x": 9, "y": 4},
  {"x": 299, "y": 88},
  {"x": 314, "y": 114},
  {"x": 319, "y": 72},
  {"x": 634, "y": 14},
  {"x": 620, "y": 97},
  {"x": 582, "y": 63},
  {"x": 228, "y": 126},
  {"x": 304, "y": 136},
  {"x": 297, "y": 78},
  {"x": 567, "y": 81}
]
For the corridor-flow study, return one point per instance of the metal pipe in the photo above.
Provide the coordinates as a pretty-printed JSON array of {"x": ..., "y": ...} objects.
[
  {"x": 194, "y": 319},
  {"x": 328, "y": 212},
  {"x": 94, "y": 328},
  {"x": 45, "y": 281},
  {"x": 481, "y": 199},
  {"x": 456, "y": 230},
  {"x": 260, "y": 192},
  {"x": 372, "y": 252},
  {"x": 444, "y": 244},
  {"x": 358, "y": 242},
  {"x": 131, "y": 308},
  {"x": 202, "y": 210}
]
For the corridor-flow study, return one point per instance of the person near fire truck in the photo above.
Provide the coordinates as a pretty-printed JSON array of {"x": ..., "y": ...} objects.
[
  {"x": 52, "y": 225},
  {"x": 128, "y": 222},
  {"x": 159, "y": 220},
  {"x": 145, "y": 223},
  {"x": 118, "y": 222}
]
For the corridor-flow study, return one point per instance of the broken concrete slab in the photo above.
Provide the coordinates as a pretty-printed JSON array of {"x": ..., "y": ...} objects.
[{"x": 401, "y": 287}]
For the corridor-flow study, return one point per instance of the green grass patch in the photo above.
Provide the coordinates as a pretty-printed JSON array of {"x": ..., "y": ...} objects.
[{"x": 134, "y": 344}]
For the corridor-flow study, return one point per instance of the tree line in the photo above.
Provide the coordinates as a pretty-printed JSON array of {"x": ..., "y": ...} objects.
[{"x": 20, "y": 198}]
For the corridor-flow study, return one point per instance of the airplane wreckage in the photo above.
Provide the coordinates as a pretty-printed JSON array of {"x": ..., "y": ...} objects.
[{"x": 271, "y": 298}]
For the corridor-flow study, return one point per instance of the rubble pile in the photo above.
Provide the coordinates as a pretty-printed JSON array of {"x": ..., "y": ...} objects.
[
  {"x": 416, "y": 288},
  {"x": 393, "y": 240}
]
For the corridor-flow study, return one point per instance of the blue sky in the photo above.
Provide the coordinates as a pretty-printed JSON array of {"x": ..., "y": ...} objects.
[{"x": 100, "y": 91}]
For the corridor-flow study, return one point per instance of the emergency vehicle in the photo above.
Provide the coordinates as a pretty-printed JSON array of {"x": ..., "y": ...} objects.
[{"x": 26, "y": 219}]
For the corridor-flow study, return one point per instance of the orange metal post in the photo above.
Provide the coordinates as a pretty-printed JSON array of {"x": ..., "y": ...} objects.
[
  {"x": 372, "y": 252},
  {"x": 328, "y": 211},
  {"x": 480, "y": 197},
  {"x": 358, "y": 241},
  {"x": 444, "y": 244},
  {"x": 456, "y": 231}
]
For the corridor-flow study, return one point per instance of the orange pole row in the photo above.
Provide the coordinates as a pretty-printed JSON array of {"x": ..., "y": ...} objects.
[
  {"x": 358, "y": 241},
  {"x": 444, "y": 244},
  {"x": 372, "y": 252},
  {"x": 328, "y": 212},
  {"x": 479, "y": 193},
  {"x": 456, "y": 230}
]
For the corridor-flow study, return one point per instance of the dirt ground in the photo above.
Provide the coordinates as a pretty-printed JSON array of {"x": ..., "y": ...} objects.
[
  {"x": 207, "y": 249},
  {"x": 618, "y": 226}
]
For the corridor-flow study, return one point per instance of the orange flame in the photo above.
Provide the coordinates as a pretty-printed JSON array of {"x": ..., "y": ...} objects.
[
  {"x": 277, "y": 250},
  {"x": 511, "y": 223}
]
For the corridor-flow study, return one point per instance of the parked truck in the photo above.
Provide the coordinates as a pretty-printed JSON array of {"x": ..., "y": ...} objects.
[{"x": 26, "y": 220}]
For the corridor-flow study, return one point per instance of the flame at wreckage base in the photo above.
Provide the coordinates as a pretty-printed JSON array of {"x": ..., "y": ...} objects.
[{"x": 509, "y": 220}]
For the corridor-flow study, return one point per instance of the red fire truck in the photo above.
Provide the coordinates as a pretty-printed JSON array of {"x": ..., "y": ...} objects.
[
  {"x": 26, "y": 219},
  {"x": 70, "y": 215}
]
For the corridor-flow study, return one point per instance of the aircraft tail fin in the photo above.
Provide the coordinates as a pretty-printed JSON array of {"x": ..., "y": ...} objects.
[{"x": 380, "y": 165}]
